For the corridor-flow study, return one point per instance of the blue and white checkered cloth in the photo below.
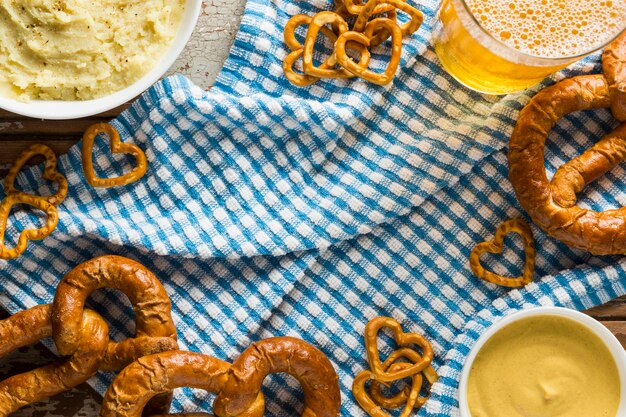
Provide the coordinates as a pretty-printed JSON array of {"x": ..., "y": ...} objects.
[{"x": 270, "y": 210}]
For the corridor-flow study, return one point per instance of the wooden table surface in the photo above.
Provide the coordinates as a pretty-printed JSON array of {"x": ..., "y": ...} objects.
[{"x": 201, "y": 61}]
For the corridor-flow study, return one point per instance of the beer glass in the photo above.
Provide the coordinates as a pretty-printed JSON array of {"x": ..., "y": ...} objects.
[{"x": 482, "y": 62}]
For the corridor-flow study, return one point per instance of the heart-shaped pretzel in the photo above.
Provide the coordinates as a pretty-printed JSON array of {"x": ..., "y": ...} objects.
[
  {"x": 402, "y": 339},
  {"x": 315, "y": 26},
  {"x": 117, "y": 146},
  {"x": 30, "y": 326},
  {"x": 496, "y": 245},
  {"x": 402, "y": 397},
  {"x": 29, "y": 234},
  {"x": 355, "y": 7},
  {"x": 365, "y": 39},
  {"x": 372, "y": 408},
  {"x": 369, "y": 10},
  {"x": 50, "y": 173},
  {"x": 297, "y": 52}
]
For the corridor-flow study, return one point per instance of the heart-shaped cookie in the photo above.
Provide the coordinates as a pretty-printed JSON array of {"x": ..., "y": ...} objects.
[
  {"x": 495, "y": 246},
  {"x": 116, "y": 147},
  {"x": 50, "y": 173},
  {"x": 402, "y": 339},
  {"x": 365, "y": 39},
  {"x": 28, "y": 234}
]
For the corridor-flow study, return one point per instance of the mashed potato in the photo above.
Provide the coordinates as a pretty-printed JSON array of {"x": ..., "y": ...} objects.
[{"x": 79, "y": 49}]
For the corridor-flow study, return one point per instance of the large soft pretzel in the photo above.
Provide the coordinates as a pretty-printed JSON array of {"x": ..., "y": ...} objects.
[
  {"x": 155, "y": 331},
  {"x": 307, "y": 364},
  {"x": 551, "y": 205},
  {"x": 160, "y": 373},
  {"x": 30, "y": 326}
]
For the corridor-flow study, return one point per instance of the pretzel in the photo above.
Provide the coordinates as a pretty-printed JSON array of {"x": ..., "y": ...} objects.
[
  {"x": 298, "y": 51},
  {"x": 355, "y": 7},
  {"x": 307, "y": 364},
  {"x": 155, "y": 331},
  {"x": 30, "y": 326},
  {"x": 402, "y": 397},
  {"x": 50, "y": 173},
  {"x": 365, "y": 40},
  {"x": 551, "y": 205},
  {"x": 29, "y": 234},
  {"x": 495, "y": 246},
  {"x": 366, "y": 33},
  {"x": 371, "y": 6},
  {"x": 614, "y": 64},
  {"x": 117, "y": 146},
  {"x": 402, "y": 339},
  {"x": 160, "y": 373}
]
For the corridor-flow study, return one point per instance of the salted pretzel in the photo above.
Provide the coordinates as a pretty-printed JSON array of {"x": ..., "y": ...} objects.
[
  {"x": 117, "y": 146},
  {"x": 155, "y": 331},
  {"x": 496, "y": 245},
  {"x": 551, "y": 205},
  {"x": 160, "y": 373},
  {"x": 14, "y": 199},
  {"x": 306, "y": 363},
  {"x": 50, "y": 173},
  {"x": 30, "y": 326}
]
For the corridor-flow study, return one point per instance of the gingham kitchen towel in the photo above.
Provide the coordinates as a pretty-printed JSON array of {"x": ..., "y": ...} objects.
[{"x": 270, "y": 210}]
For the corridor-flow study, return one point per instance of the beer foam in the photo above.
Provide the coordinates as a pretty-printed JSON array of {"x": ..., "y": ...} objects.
[{"x": 551, "y": 28}]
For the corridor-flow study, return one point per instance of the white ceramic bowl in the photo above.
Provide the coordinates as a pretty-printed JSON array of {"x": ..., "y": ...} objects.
[
  {"x": 65, "y": 110},
  {"x": 607, "y": 337}
]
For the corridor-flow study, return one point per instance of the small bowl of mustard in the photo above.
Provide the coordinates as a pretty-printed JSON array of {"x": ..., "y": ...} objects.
[{"x": 544, "y": 361}]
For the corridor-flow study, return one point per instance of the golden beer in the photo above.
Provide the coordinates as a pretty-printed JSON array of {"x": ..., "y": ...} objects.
[{"x": 503, "y": 46}]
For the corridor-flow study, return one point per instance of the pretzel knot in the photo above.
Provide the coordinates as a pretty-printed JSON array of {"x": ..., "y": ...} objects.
[
  {"x": 30, "y": 326},
  {"x": 155, "y": 331},
  {"x": 307, "y": 364},
  {"x": 552, "y": 205}
]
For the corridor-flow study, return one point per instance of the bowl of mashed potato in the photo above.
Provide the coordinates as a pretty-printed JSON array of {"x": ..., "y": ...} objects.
[
  {"x": 544, "y": 361},
  {"x": 66, "y": 59}
]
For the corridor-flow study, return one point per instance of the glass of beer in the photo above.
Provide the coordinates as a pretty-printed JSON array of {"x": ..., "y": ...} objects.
[{"x": 504, "y": 46}]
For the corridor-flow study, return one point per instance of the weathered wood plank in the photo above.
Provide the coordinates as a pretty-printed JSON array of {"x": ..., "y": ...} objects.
[{"x": 613, "y": 310}]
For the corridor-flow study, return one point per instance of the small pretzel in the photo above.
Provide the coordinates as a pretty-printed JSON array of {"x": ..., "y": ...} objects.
[
  {"x": 495, "y": 246},
  {"x": 402, "y": 339},
  {"x": 614, "y": 64},
  {"x": 551, "y": 205},
  {"x": 163, "y": 372},
  {"x": 315, "y": 26},
  {"x": 307, "y": 364},
  {"x": 117, "y": 146},
  {"x": 371, "y": 6},
  {"x": 402, "y": 397},
  {"x": 30, "y": 326},
  {"x": 50, "y": 173},
  {"x": 355, "y": 7},
  {"x": 365, "y": 39},
  {"x": 155, "y": 331},
  {"x": 29, "y": 234},
  {"x": 297, "y": 52}
]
